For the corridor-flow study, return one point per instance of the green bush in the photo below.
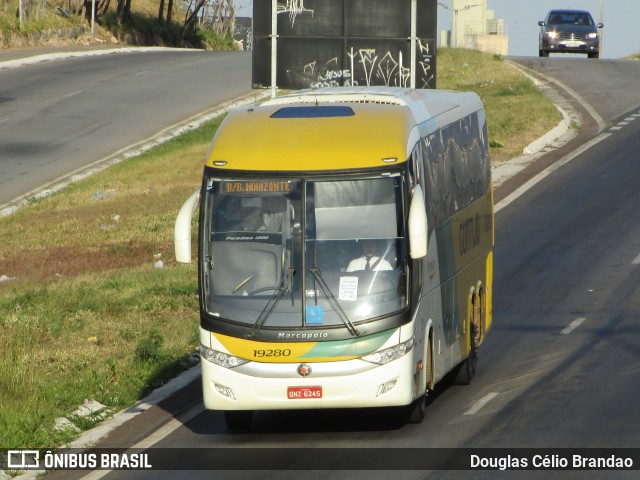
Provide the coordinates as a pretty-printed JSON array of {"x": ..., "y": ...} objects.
[{"x": 149, "y": 346}]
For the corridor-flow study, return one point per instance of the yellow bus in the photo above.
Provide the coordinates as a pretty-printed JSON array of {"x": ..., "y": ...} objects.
[{"x": 345, "y": 250}]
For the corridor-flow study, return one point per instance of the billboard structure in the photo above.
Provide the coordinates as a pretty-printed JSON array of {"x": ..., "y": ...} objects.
[{"x": 329, "y": 43}]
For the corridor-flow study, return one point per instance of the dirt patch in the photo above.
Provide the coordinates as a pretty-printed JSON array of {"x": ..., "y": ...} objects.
[{"x": 39, "y": 266}]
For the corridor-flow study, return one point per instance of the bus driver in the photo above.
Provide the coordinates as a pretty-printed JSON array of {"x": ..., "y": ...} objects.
[{"x": 369, "y": 260}]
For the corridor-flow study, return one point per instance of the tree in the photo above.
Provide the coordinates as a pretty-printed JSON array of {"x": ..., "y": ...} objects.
[
  {"x": 123, "y": 10},
  {"x": 223, "y": 16},
  {"x": 169, "y": 11},
  {"x": 161, "y": 11}
]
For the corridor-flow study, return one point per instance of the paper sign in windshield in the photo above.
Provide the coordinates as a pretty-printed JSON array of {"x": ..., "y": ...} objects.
[{"x": 348, "y": 289}]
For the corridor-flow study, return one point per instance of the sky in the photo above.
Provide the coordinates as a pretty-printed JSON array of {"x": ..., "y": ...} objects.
[{"x": 620, "y": 36}]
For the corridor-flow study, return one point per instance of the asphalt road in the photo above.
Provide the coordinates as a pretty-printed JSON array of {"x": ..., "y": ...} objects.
[
  {"x": 610, "y": 87},
  {"x": 58, "y": 117},
  {"x": 560, "y": 366}
]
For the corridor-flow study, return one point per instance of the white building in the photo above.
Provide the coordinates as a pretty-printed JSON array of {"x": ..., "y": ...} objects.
[{"x": 473, "y": 26}]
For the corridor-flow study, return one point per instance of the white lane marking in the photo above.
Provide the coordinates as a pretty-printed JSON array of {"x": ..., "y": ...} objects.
[
  {"x": 623, "y": 124},
  {"x": 615, "y": 129},
  {"x": 548, "y": 171},
  {"x": 72, "y": 94},
  {"x": 481, "y": 403},
  {"x": 636, "y": 261},
  {"x": 572, "y": 326},
  {"x": 2, "y": 120},
  {"x": 143, "y": 72},
  {"x": 630, "y": 119}
]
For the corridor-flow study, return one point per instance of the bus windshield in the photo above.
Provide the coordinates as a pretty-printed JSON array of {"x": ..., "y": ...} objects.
[{"x": 301, "y": 253}]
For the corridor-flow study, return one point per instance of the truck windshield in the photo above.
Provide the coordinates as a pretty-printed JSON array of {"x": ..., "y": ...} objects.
[{"x": 296, "y": 253}]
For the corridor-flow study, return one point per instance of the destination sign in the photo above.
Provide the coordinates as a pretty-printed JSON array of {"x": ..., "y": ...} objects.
[{"x": 254, "y": 186}]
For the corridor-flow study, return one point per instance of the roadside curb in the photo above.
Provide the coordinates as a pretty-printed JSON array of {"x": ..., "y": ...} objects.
[
  {"x": 131, "y": 151},
  {"x": 47, "y": 57},
  {"x": 555, "y": 138},
  {"x": 90, "y": 437},
  {"x": 520, "y": 174}
]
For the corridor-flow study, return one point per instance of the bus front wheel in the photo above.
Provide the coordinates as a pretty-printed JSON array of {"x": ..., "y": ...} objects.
[{"x": 418, "y": 408}]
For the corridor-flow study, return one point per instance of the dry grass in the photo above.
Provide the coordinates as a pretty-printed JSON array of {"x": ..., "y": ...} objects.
[
  {"x": 114, "y": 220},
  {"x": 517, "y": 112}
]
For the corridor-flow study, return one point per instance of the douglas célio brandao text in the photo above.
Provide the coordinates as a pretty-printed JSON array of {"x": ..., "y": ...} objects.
[{"x": 550, "y": 461}]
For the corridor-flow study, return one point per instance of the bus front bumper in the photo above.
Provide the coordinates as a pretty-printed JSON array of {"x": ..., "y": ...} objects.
[{"x": 392, "y": 384}]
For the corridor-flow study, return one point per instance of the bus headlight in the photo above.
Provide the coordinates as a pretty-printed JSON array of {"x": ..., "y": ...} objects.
[
  {"x": 390, "y": 354},
  {"x": 220, "y": 358}
]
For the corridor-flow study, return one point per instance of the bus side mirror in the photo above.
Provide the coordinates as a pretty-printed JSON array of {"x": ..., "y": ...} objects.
[
  {"x": 182, "y": 230},
  {"x": 417, "y": 225}
]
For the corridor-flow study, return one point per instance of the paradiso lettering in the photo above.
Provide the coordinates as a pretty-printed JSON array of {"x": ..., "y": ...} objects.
[{"x": 256, "y": 187}]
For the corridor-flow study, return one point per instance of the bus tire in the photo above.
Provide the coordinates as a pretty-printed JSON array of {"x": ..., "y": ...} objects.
[
  {"x": 238, "y": 419},
  {"x": 418, "y": 409},
  {"x": 466, "y": 370}
]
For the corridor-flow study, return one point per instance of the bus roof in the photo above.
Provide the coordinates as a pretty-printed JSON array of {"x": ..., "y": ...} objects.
[{"x": 334, "y": 128}]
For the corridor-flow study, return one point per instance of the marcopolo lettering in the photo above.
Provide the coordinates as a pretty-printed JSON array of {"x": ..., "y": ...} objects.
[{"x": 303, "y": 335}]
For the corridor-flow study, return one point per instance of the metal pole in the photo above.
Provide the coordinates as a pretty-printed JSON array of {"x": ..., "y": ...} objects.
[
  {"x": 414, "y": 33},
  {"x": 274, "y": 47},
  {"x": 454, "y": 43},
  {"x": 601, "y": 21}
]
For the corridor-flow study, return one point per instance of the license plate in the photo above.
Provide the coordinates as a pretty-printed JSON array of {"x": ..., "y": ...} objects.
[
  {"x": 573, "y": 43},
  {"x": 295, "y": 393}
]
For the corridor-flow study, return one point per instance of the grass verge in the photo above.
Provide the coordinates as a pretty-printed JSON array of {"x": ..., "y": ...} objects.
[
  {"x": 89, "y": 316},
  {"x": 517, "y": 112}
]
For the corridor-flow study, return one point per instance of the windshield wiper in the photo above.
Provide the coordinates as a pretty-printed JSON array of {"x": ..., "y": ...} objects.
[
  {"x": 334, "y": 303},
  {"x": 273, "y": 301}
]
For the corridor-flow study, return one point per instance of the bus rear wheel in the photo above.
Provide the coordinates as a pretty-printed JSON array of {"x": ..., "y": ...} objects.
[{"x": 238, "y": 419}]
